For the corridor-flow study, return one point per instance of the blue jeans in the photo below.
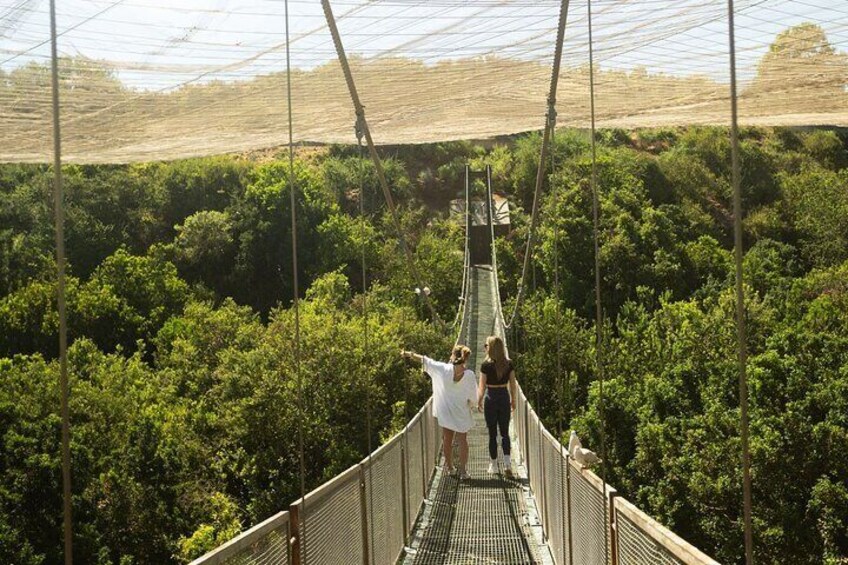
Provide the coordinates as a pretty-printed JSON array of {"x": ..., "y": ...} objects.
[{"x": 497, "y": 410}]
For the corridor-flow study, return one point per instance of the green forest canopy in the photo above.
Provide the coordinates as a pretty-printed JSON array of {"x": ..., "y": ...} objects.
[{"x": 183, "y": 403}]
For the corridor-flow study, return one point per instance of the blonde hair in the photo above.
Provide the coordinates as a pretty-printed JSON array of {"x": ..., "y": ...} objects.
[
  {"x": 459, "y": 354},
  {"x": 496, "y": 353}
]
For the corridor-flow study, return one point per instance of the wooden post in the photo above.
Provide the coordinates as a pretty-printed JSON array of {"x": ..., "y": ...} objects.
[
  {"x": 294, "y": 540},
  {"x": 403, "y": 488},
  {"x": 526, "y": 439},
  {"x": 424, "y": 465},
  {"x": 363, "y": 513},
  {"x": 568, "y": 505},
  {"x": 613, "y": 529}
]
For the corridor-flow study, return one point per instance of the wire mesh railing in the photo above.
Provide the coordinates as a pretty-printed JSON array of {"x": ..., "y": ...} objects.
[
  {"x": 265, "y": 543},
  {"x": 362, "y": 516},
  {"x": 643, "y": 541},
  {"x": 584, "y": 521}
]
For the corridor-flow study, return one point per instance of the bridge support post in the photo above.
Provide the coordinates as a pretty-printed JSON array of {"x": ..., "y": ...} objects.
[
  {"x": 543, "y": 482},
  {"x": 424, "y": 466},
  {"x": 570, "y": 549},
  {"x": 294, "y": 541},
  {"x": 526, "y": 440},
  {"x": 403, "y": 488},
  {"x": 363, "y": 512},
  {"x": 613, "y": 530}
]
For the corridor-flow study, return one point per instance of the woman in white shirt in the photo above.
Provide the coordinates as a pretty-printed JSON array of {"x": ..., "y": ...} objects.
[{"x": 454, "y": 395}]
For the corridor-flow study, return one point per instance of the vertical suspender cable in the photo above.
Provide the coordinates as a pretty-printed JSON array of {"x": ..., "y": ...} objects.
[
  {"x": 366, "y": 348},
  {"x": 599, "y": 359},
  {"x": 59, "y": 205},
  {"x": 558, "y": 314},
  {"x": 378, "y": 165},
  {"x": 296, "y": 305},
  {"x": 740, "y": 294}
]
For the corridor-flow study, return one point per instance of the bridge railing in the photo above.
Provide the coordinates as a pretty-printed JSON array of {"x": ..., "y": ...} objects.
[
  {"x": 364, "y": 515},
  {"x": 580, "y": 515}
]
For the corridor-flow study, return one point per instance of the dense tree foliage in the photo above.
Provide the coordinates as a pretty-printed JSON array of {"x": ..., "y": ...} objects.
[
  {"x": 671, "y": 408},
  {"x": 185, "y": 395}
]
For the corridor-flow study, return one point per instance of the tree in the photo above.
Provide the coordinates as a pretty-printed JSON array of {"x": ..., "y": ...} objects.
[{"x": 801, "y": 64}]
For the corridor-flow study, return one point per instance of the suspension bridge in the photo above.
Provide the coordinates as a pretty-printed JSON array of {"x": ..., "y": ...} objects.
[{"x": 398, "y": 505}]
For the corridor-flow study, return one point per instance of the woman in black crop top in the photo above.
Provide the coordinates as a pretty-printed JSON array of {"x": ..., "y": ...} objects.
[{"x": 498, "y": 388}]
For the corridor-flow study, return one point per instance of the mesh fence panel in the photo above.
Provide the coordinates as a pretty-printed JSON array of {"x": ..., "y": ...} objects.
[
  {"x": 555, "y": 497},
  {"x": 258, "y": 546},
  {"x": 415, "y": 471},
  {"x": 332, "y": 518},
  {"x": 641, "y": 540},
  {"x": 384, "y": 502},
  {"x": 587, "y": 510},
  {"x": 636, "y": 547},
  {"x": 147, "y": 79}
]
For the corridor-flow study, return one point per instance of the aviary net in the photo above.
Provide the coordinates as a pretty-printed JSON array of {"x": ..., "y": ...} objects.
[{"x": 149, "y": 79}]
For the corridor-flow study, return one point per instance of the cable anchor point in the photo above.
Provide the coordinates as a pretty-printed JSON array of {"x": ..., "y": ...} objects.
[{"x": 359, "y": 127}]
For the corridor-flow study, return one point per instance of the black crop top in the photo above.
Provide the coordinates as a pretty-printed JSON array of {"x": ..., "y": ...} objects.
[{"x": 492, "y": 377}]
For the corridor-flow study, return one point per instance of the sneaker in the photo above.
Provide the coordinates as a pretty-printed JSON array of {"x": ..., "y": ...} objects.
[
  {"x": 450, "y": 471},
  {"x": 508, "y": 473},
  {"x": 463, "y": 475},
  {"x": 493, "y": 467}
]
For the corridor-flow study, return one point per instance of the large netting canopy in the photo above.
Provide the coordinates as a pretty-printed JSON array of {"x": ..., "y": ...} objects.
[{"x": 154, "y": 79}]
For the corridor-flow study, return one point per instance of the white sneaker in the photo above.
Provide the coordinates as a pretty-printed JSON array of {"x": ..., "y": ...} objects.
[
  {"x": 493, "y": 467},
  {"x": 507, "y": 464}
]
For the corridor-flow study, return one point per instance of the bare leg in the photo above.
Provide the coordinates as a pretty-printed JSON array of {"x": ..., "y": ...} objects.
[
  {"x": 463, "y": 451},
  {"x": 447, "y": 447}
]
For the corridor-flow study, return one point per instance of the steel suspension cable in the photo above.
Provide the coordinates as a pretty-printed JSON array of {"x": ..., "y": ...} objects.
[
  {"x": 540, "y": 172},
  {"x": 599, "y": 359},
  {"x": 59, "y": 206},
  {"x": 740, "y": 294},
  {"x": 296, "y": 302},
  {"x": 362, "y": 123}
]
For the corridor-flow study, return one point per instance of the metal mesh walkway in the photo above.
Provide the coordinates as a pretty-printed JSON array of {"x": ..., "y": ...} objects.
[{"x": 482, "y": 519}]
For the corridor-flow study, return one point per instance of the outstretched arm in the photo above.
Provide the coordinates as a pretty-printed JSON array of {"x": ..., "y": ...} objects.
[{"x": 412, "y": 355}]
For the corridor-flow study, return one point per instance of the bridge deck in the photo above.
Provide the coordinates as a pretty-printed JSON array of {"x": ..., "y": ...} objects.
[{"x": 484, "y": 519}]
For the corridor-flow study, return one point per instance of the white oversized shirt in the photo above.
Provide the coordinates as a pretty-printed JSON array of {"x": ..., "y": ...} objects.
[{"x": 452, "y": 400}]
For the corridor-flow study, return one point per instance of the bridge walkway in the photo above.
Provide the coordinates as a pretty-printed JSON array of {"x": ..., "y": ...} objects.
[{"x": 483, "y": 519}]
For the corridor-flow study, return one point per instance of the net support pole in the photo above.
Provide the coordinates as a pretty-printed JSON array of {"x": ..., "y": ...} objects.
[
  {"x": 550, "y": 123},
  {"x": 599, "y": 358},
  {"x": 296, "y": 305},
  {"x": 362, "y": 125},
  {"x": 59, "y": 205},
  {"x": 740, "y": 292}
]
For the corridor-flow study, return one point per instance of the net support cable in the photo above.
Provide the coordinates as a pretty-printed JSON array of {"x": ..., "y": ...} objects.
[
  {"x": 366, "y": 348},
  {"x": 599, "y": 358},
  {"x": 59, "y": 206},
  {"x": 560, "y": 386},
  {"x": 300, "y": 525},
  {"x": 362, "y": 124},
  {"x": 550, "y": 121},
  {"x": 740, "y": 292}
]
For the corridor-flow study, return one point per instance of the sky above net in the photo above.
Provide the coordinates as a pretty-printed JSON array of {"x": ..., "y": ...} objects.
[{"x": 153, "y": 46}]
